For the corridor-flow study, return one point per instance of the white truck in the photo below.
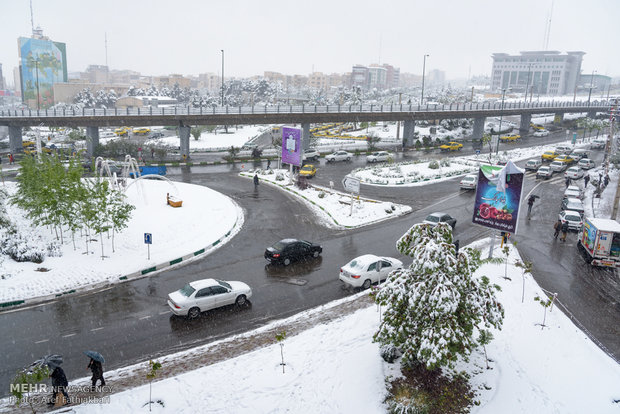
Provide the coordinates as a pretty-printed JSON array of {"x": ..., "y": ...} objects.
[{"x": 599, "y": 242}]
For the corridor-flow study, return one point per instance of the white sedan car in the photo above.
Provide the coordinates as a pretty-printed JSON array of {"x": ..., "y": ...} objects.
[
  {"x": 557, "y": 166},
  {"x": 469, "y": 182},
  {"x": 380, "y": 156},
  {"x": 368, "y": 269},
  {"x": 339, "y": 156},
  {"x": 572, "y": 217},
  {"x": 573, "y": 191},
  {"x": 541, "y": 133},
  {"x": 205, "y": 294},
  {"x": 574, "y": 173}
]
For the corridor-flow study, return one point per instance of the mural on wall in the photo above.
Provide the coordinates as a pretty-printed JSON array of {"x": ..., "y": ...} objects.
[{"x": 42, "y": 63}]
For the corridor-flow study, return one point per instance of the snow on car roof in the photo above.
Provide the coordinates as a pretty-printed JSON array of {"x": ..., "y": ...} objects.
[{"x": 199, "y": 284}]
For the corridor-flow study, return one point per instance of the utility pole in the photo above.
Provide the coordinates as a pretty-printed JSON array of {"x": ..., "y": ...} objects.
[
  {"x": 423, "y": 71},
  {"x": 222, "y": 77},
  {"x": 400, "y": 95},
  {"x": 591, "y": 86},
  {"x": 610, "y": 141},
  {"x": 36, "y": 63}
]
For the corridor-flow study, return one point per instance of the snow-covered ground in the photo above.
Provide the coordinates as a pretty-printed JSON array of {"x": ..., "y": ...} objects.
[
  {"x": 331, "y": 207},
  {"x": 206, "y": 214},
  {"x": 418, "y": 173},
  {"x": 336, "y": 368},
  {"x": 217, "y": 140}
]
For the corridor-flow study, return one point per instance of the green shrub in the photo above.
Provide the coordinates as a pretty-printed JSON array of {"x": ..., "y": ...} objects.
[{"x": 433, "y": 165}]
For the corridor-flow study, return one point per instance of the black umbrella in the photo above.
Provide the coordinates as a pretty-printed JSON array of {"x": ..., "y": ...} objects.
[
  {"x": 95, "y": 355},
  {"x": 51, "y": 361}
]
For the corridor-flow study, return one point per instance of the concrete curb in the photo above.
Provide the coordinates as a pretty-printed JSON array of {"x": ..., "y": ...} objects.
[
  {"x": 248, "y": 175},
  {"x": 10, "y": 305}
]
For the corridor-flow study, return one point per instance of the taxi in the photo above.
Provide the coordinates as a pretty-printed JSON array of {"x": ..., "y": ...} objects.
[
  {"x": 122, "y": 131},
  {"x": 549, "y": 155},
  {"x": 510, "y": 138},
  {"x": 141, "y": 131},
  {"x": 308, "y": 170},
  {"x": 564, "y": 159},
  {"x": 451, "y": 146}
]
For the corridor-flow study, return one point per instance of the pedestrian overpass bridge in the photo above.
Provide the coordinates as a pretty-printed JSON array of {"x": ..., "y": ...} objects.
[{"x": 184, "y": 117}]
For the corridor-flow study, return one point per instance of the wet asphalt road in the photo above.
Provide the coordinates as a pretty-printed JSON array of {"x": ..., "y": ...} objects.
[{"x": 131, "y": 322}]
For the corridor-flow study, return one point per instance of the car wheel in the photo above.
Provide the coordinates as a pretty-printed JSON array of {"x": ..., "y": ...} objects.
[
  {"x": 366, "y": 284},
  {"x": 193, "y": 313},
  {"x": 315, "y": 254},
  {"x": 287, "y": 261},
  {"x": 348, "y": 158},
  {"x": 241, "y": 300}
]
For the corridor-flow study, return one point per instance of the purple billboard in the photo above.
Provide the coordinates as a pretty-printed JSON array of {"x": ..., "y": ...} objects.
[
  {"x": 291, "y": 146},
  {"x": 498, "y": 197}
]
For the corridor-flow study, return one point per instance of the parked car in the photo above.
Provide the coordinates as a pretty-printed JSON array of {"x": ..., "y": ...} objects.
[
  {"x": 572, "y": 217},
  {"x": 549, "y": 156},
  {"x": 451, "y": 146},
  {"x": 368, "y": 269},
  {"x": 203, "y": 295},
  {"x": 469, "y": 182},
  {"x": 564, "y": 149},
  {"x": 435, "y": 218},
  {"x": 533, "y": 164},
  {"x": 380, "y": 156},
  {"x": 586, "y": 163},
  {"x": 579, "y": 153},
  {"x": 156, "y": 135},
  {"x": 573, "y": 191},
  {"x": 544, "y": 172},
  {"x": 339, "y": 156},
  {"x": 574, "y": 173},
  {"x": 566, "y": 159},
  {"x": 308, "y": 170},
  {"x": 598, "y": 143},
  {"x": 311, "y": 154},
  {"x": 574, "y": 204},
  {"x": 558, "y": 166},
  {"x": 541, "y": 133},
  {"x": 287, "y": 250}
]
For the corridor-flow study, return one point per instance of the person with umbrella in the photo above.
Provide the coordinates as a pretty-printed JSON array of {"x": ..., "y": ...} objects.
[
  {"x": 59, "y": 379},
  {"x": 96, "y": 359},
  {"x": 530, "y": 203}
]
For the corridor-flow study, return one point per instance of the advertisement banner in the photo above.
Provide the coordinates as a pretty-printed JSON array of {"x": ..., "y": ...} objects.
[
  {"x": 291, "y": 146},
  {"x": 498, "y": 197}
]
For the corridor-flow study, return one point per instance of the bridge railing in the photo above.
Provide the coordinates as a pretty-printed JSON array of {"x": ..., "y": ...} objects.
[{"x": 296, "y": 109}]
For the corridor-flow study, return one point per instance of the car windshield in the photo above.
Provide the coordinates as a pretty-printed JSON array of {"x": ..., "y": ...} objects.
[
  {"x": 279, "y": 246},
  {"x": 306, "y": 168},
  {"x": 355, "y": 264},
  {"x": 572, "y": 218},
  {"x": 433, "y": 219},
  {"x": 225, "y": 284},
  {"x": 469, "y": 178},
  {"x": 187, "y": 290}
]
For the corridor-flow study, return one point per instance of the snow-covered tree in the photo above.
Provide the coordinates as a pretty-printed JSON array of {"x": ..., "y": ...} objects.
[{"x": 435, "y": 306}]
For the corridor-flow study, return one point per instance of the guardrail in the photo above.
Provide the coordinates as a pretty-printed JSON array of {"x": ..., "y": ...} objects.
[{"x": 300, "y": 109}]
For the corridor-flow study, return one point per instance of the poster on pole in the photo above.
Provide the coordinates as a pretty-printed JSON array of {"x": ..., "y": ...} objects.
[
  {"x": 291, "y": 146},
  {"x": 498, "y": 197}
]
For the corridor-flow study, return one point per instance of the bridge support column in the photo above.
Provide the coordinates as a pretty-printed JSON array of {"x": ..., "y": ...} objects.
[
  {"x": 305, "y": 136},
  {"x": 478, "y": 132},
  {"x": 92, "y": 140},
  {"x": 409, "y": 133},
  {"x": 524, "y": 127},
  {"x": 558, "y": 119},
  {"x": 15, "y": 139},
  {"x": 184, "y": 132}
]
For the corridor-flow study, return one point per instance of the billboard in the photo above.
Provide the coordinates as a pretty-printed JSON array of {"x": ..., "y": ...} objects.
[
  {"x": 498, "y": 197},
  {"x": 291, "y": 146},
  {"x": 42, "y": 63}
]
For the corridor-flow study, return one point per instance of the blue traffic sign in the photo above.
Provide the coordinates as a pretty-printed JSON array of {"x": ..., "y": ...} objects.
[{"x": 148, "y": 238}]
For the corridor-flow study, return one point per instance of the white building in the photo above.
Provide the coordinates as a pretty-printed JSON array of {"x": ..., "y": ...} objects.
[{"x": 544, "y": 72}]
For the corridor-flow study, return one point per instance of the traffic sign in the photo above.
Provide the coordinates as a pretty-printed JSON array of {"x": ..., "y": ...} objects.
[
  {"x": 148, "y": 238},
  {"x": 351, "y": 184}
]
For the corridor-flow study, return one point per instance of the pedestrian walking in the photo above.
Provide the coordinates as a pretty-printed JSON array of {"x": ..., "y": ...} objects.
[
  {"x": 606, "y": 179},
  {"x": 152, "y": 153},
  {"x": 11, "y": 159},
  {"x": 530, "y": 203},
  {"x": 557, "y": 227},
  {"x": 255, "y": 181},
  {"x": 586, "y": 180},
  {"x": 97, "y": 369},
  {"x": 59, "y": 384},
  {"x": 564, "y": 231},
  {"x": 567, "y": 181},
  {"x": 268, "y": 164}
]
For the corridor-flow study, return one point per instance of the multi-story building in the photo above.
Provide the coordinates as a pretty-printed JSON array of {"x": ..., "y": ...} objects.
[
  {"x": 436, "y": 77},
  {"x": 42, "y": 64},
  {"x": 375, "y": 76},
  {"x": 360, "y": 77},
  {"x": 2, "y": 87},
  {"x": 317, "y": 80},
  {"x": 600, "y": 84},
  {"x": 542, "y": 72}
]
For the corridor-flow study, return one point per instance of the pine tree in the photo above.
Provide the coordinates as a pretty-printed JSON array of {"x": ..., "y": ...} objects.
[{"x": 435, "y": 306}]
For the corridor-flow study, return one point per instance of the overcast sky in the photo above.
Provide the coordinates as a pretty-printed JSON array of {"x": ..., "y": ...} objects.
[{"x": 157, "y": 37}]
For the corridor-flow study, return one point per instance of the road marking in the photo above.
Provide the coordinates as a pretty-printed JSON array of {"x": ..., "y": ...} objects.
[
  {"x": 444, "y": 200},
  {"x": 164, "y": 312},
  {"x": 40, "y": 342},
  {"x": 96, "y": 329},
  {"x": 68, "y": 335},
  {"x": 145, "y": 317}
]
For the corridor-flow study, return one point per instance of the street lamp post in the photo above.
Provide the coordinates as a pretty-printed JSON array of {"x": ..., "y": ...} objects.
[
  {"x": 527, "y": 85},
  {"x": 591, "y": 86},
  {"x": 501, "y": 115},
  {"x": 222, "y": 77},
  {"x": 36, "y": 63},
  {"x": 423, "y": 71}
]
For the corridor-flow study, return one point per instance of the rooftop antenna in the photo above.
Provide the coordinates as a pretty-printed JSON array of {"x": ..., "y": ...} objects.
[
  {"x": 548, "y": 29},
  {"x": 31, "y": 18}
]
